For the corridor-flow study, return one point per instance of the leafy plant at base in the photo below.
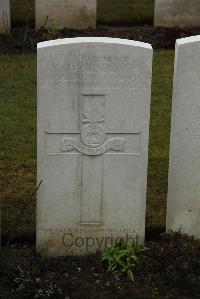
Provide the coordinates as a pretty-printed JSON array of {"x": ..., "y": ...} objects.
[{"x": 121, "y": 258}]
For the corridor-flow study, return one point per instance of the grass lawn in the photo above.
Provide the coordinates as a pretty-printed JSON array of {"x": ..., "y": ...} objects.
[
  {"x": 18, "y": 136},
  {"x": 130, "y": 12},
  {"x": 109, "y": 12}
]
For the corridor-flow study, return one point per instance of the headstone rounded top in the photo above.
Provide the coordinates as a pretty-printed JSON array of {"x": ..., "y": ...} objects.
[
  {"x": 107, "y": 40},
  {"x": 188, "y": 40}
]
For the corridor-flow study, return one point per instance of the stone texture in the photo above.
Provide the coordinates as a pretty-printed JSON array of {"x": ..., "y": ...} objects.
[
  {"x": 93, "y": 130},
  {"x": 184, "y": 171},
  {"x": 79, "y": 14},
  {"x": 4, "y": 16},
  {"x": 177, "y": 13}
]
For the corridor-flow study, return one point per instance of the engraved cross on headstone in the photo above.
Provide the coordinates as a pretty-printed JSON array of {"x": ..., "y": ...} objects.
[{"x": 94, "y": 143}]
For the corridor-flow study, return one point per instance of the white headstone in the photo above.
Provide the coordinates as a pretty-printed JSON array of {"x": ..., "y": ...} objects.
[
  {"x": 78, "y": 14},
  {"x": 93, "y": 130},
  {"x": 4, "y": 16},
  {"x": 177, "y": 13},
  {"x": 183, "y": 212}
]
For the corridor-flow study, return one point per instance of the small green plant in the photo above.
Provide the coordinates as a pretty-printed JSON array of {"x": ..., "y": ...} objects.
[{"x": 121, "y": 258}]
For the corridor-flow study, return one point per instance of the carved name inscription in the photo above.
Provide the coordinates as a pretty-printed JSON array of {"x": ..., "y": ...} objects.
[
  {"x": 92, "y": 71},
  {"x": 69, "y": 144}
]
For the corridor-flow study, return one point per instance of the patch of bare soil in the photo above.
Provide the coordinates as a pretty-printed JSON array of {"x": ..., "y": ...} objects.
[
  {"x": 25, "y": 40},
  {"x": 169, "y": 269}
]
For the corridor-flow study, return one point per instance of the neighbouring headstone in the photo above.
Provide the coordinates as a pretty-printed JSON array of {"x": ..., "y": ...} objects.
[
  {"x": 4, "y": 16},
  {"x": 183, "y": 211},
  {"x": 77, "y": 14},
  {"x": 177, "y": 13},
  {"x": 93, "y": 130}
]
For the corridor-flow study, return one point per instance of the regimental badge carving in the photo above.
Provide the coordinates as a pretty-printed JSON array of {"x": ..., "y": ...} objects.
[
  {"x": 115, "y": 144},
  {"x": 93, "y": 134}
]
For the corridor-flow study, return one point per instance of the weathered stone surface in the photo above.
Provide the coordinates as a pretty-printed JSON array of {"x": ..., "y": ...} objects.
[
  {"x": 4, "y": 16},
  {"x": 177, "y": 13},
  {"x": 93, "y": 130},
  {"x": 79, "y": 14},
  {"x": 184, "y": 171}
]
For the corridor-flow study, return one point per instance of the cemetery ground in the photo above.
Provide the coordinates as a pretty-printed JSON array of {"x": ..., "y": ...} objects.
[{"x": 170, "y": 268}]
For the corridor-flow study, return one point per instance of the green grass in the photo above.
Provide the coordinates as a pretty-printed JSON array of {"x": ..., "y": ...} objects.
[
  {"x": 109, "y": 12},
  {"x": 129, "y": 12},
  {"x": 159, "y": 137},
  {"x": 18, "y": 130},
  {"x": 18, "y": 135}
]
